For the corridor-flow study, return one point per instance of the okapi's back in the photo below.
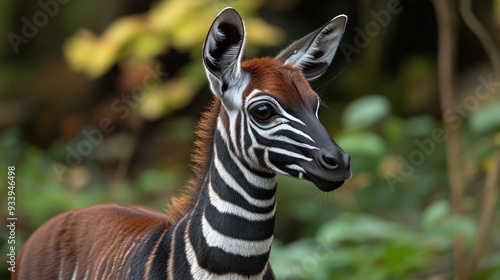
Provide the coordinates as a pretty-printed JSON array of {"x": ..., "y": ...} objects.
[{"x": 102, "y": 237}]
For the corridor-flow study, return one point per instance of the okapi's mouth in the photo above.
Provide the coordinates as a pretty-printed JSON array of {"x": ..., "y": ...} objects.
[{"x": 324, "y": 184}]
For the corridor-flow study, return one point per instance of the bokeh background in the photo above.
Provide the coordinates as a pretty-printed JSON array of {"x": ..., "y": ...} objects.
[{"x": 99, "y": 102}]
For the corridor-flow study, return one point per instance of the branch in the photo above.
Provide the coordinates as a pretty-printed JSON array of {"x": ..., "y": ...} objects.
[
  {"x": 482, "y": 34},
  {"x": 491, "y": 190},
  {"x": 489, "y": 201},
  {"x": 446, "y": 61}
]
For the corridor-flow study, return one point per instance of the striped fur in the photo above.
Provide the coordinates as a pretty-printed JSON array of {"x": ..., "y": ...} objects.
[{"x": 261, "y": 123}]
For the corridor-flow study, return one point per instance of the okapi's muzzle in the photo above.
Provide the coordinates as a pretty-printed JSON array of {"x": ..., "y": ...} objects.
[{"x": 329, "y": 168}]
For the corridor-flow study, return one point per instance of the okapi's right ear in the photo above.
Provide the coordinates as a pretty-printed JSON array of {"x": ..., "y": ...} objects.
[
  {"x": 314, "y": 52},
  {"x": 222, "y": 51}
]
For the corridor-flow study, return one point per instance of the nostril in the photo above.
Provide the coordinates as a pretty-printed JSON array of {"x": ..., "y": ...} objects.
[{"x": 330, "y": 162}]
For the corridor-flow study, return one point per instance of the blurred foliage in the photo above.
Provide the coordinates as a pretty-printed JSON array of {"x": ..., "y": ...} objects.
[
  {"x": 359, "y": 246},
  {"x": 391, "y": 221},
  {"x": 169, "y": 25},
  {"x": 487, "y": 119}
]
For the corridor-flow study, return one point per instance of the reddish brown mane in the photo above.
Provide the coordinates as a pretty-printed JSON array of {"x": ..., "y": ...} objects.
[{"x": 202, "y": 153}]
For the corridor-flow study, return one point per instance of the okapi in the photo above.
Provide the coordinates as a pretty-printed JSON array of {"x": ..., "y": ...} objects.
[{"x": 263, "y": 121}]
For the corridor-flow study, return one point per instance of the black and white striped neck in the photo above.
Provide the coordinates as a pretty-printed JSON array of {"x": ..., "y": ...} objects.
[{"x": 230, "y": 230}]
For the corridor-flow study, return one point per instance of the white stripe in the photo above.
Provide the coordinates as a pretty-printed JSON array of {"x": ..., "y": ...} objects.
[
  {"x": 233, "y": 128},
  {"x": 288, "y": 153},
  {"x": 75, "y": 272},
  {"x": 229, "y": 208},
  {"x": 281, "y": 111},
  {"x": 233, "y": 245},
  {"x": 271, "y": 165},
  {"x": 285, "y": 126},
  {"x": 317, "y": 108},
  {"x": 288, "y": 116},
  {"x": 278, "y": 170},
  {"x": 121, "y": 256},
  {"x": 61, "y": 269},
  {"x": 223, "y": 133},
  {"x": 86, "y": 274},
  {"x": 254, "y": 144},
  {"x": 256, "y": 181},
  {"x": 296, "y": 167},
  {"x": 290, "y": 141},
  {"x": 231, "y": 182},
  {"x": 96, "y": 272},
  {"x": 125, "y": 257},
  {"x": 117, "y": 259},
  {"x": 199, "y": 273}
]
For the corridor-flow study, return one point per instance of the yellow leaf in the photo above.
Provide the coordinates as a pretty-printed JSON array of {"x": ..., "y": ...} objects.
[{"x": 172, "y": 95}]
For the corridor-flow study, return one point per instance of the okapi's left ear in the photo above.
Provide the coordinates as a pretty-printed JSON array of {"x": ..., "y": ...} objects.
[
  {"x": 222, "y": 51},
  {"x": 314, "y": 52}
]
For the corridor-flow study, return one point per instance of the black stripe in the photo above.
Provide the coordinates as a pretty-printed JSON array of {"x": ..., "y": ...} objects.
[
  {"x": 262, "y": 140},
  {"x": 140, "y": 256},
  {"x": 180, "y": 263},
  {"x": 260, "y": 155},
  {"x": 269, "y": 274},
  {"x": 237, "y": 227},
  {"x": 280, "y": 160},
  {"x": 248, "y": 140},
  {"x": 232, "y": 168},
  {"x": 219, "y": 142},
  {"x": 230, "y": 195},
  {"x": 160, "y": 261},
  {"x": 216, "y": 260},
  {"x": 294, "y": 136},
  {"x": 237, "y": 144}
]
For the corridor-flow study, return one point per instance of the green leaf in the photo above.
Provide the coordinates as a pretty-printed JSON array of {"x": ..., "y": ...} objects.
[
  {"x": 365, "y": 111},
  {"x": 362, "y": 143},
  {"x": 486, "y": 118},
  {"x": 464, "y": 227},
  {"x": 356, "y": 228},
  {"x": 435, "y": 214},
  {"x": 393, "y": 129},
  {"x": 419, "y": 126}
]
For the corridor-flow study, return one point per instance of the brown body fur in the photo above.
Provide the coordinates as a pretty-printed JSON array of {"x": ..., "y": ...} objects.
[{"x": 94, "y": 233}]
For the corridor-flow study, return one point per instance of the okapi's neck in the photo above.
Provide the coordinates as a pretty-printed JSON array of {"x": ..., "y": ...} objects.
[{"x": 233, "y": 217}]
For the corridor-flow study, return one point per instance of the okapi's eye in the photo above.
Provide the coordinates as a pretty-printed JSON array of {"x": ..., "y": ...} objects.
[{"x": 262, "y": 112}]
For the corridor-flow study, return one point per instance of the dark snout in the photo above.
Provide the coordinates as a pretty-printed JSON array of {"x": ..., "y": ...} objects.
[
  {"x": 329, "y": 168},
  {"x": 330, "y": 165}
]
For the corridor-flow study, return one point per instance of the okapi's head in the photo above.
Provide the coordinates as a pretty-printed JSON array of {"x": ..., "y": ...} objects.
[{"x": 270, "y": 112}]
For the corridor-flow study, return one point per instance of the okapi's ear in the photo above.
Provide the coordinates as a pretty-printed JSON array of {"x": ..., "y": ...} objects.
[
  {"x": 222, "y": 51},
  {"x": 314, "y": 52}
]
